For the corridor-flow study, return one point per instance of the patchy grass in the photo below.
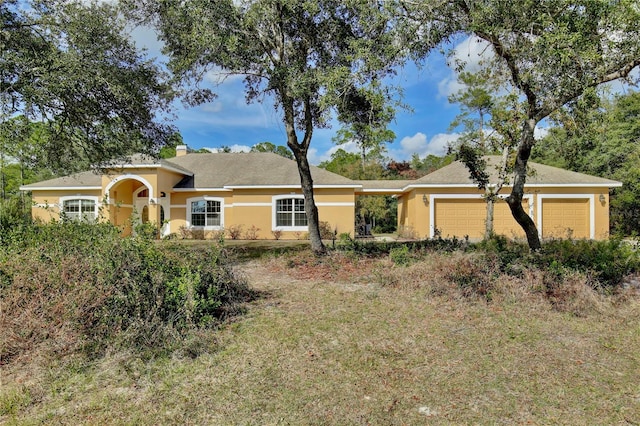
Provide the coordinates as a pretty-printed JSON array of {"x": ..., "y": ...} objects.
[{"x": 351, "y": 340}]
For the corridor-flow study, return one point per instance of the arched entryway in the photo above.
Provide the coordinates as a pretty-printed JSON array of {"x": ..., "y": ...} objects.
[{"x": 131, "y": 202}]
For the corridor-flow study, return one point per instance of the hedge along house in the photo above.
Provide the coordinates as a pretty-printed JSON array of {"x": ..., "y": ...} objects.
[
  {"x": 202, "y": 194},
  {"x": 561, "y": 203}
]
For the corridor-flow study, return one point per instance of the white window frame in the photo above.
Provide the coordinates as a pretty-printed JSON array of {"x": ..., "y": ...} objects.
[
  {"x": 65, "y": 199},
  {"x": 274, "y": 213},
  {"x": 205, "y": 198}
]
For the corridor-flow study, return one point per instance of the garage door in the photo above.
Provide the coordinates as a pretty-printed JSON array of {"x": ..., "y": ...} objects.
[
  {"x": 503, "y": 221},
  {"x": 564, "y": 218},
  {"x": 460, "y": 217}
]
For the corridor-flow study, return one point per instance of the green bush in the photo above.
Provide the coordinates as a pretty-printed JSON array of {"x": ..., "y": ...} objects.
[
  {"x": 606, "y": 262},
  {"x": 400, "y": 255},
  {"x": 73, "y": 287}
]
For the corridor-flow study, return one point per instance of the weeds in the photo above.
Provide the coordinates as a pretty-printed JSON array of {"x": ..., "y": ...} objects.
[{"x": 79, "y": 288}]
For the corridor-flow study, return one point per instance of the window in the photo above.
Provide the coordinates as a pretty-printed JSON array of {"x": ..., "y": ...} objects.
[
  {"x": 79, "y": 209},
  {"x": 289, "y": 213},
  {"x": 206, "y": 213}
]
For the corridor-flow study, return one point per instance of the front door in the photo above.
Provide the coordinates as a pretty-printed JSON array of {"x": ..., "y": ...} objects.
[{"x": 141, "y": 205}]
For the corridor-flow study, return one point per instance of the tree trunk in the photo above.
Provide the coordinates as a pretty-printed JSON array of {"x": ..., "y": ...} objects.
[
  {"x": 517, "y": 192},
  {"x": 488, "y": 229},
  {"x": 306, "y": 181},
  {"x": 313, "y": 220}
]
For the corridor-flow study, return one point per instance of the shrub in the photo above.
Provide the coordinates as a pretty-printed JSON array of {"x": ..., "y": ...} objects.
[
  {"x": 326, "y": 233},
  {"x": 251, "y": 233},
  {"x": 400, "y": 255},
  {"x": 277, "y": 234},
  {"x": 473, "y": 275},
  {"x": 74, "y": 287},
  {"x": 234, "y": 231},
  {"x": 609, "y": 261}
]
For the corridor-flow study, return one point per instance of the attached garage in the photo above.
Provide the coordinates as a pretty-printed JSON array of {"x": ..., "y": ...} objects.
[{"x": 561, "y": 203}]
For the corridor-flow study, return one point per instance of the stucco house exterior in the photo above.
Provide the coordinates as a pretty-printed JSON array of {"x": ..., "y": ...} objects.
[{"x": 208, "y": 193}]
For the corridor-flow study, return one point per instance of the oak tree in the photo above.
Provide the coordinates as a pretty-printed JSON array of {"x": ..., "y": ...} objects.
[
  {"x": 553, "y": 51},
  {"x": 303, "y": 55}
]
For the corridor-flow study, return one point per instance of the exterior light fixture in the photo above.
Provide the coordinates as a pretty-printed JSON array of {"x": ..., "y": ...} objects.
[
  {"x": 425, "y": 199},
  {"x": 602, "y": 198}
]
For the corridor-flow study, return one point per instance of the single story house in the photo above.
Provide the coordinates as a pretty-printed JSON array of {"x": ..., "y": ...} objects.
[{"x": 261, "y": 192}]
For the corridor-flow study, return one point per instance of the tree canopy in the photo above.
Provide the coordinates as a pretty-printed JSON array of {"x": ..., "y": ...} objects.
[
  {"x": 71, "y": 65},
  {"x": 599, "y": 134},
  {"x": 283, "y": 151}
]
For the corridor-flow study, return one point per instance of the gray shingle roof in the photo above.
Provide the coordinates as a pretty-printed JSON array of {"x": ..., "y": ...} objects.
[
  {"x": 248, "y": 169},
  {"x": 77, "y": 180},
  {"x": 456, "y": 173}
]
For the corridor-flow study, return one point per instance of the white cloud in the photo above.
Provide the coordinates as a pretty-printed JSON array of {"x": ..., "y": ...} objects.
[
  {"x": 314, "y": 158},
  {"x": 421, "y": 145},
  {"x": 470, "y": 52},
  {"x": 414, "y": 143},
  {"x": 540, "y": 132},
  {"x": 449, "y": 85}
]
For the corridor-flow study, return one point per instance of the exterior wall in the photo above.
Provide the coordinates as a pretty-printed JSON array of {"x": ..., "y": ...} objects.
[
  {"x": 253, "y": 209},
  {"x": 47, "y": 204},
  {"x": 411, "y": 215},
  {"x": 419, "y": 209}
]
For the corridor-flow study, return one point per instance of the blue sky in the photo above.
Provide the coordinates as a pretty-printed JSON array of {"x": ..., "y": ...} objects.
[{"x": 229, "y": 121}]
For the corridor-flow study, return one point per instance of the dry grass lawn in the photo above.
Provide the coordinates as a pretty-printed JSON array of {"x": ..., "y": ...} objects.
[{"x": 351, "y": 342}]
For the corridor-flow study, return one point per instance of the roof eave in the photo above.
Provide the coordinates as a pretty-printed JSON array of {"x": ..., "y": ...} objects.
[
  {"x": 59, "y": 188},
  {"x": 150, "y": 166}
]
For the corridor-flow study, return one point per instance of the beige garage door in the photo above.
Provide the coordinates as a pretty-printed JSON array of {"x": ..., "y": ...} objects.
[
  {"x": 460, "y": 217},
  {"x": 503, "y": 221},
  {"x": 564, "y": 218}
]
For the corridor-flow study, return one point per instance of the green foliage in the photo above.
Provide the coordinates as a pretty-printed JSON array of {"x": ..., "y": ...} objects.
[
  {"x": 606, "y": 262},
  {"x": 400, "y": 255},
  {"x": 282, "y": 151},
  {"x": 598, "y": 135},
  {"x": 71, "y": 65},
  {"x": 76, "y": 287},
  {"x": 430, "y": 163},
  {"x": 300, "y": 54}
]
